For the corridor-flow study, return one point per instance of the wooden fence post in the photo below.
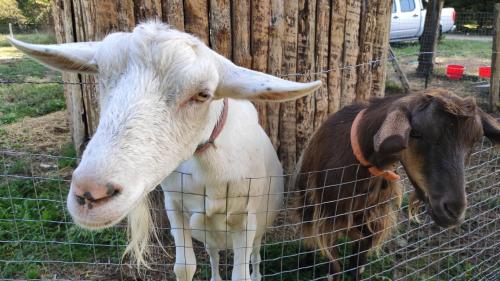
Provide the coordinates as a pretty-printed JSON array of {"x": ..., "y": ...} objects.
[{"x": 495, "y": 62}]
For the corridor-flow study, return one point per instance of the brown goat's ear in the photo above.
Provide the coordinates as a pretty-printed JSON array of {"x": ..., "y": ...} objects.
[
  {"x": 393, "y": 135},
  {"x": 491, "y": 127}
]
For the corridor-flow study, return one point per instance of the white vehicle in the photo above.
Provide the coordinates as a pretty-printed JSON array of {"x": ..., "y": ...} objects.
[{"x": 408, "y": 18}]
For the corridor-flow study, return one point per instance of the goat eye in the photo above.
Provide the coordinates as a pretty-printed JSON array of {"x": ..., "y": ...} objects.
[
  {"x": 201, "y": 97},
  {"x": 415, "y": 134}
]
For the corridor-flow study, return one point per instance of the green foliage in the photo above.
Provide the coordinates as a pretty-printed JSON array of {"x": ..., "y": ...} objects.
[
  {"x": 471, "y": 6},
  {"x": 36, "y": 12},
  {"x": 10, "y": 12}
]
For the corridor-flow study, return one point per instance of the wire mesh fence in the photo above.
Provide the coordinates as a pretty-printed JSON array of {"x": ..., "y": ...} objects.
[{"x": 40, "y": 241}]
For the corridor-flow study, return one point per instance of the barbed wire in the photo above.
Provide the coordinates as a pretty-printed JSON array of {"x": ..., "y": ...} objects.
[{"x": 308, "y": 73}]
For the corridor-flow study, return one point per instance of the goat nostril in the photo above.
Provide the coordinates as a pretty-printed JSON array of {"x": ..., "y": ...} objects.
[
  {"x": 111, "y": 189},
  {"x": 80, "y": 200},
  {"x": 451, "y": 213},
  {"x": 87, "y": 195}
]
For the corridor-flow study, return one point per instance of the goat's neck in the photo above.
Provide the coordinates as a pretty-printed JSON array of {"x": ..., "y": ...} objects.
[{"x": 238, "y": 146}]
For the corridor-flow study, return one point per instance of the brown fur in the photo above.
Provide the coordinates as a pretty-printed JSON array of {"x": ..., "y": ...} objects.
[{"x": 335, "y": 202}]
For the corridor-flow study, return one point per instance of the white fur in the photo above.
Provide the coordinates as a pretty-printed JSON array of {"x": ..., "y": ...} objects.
[
  {"x": 150, "y": 125},
  {"x": 214, "y": 196}
]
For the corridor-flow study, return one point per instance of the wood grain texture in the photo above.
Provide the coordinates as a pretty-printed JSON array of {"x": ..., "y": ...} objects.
[
  {"x": 336, "y": 55},
  {"x": 274, "y": 36},
  {"x": 63, "y": 27},
  {"x": 173, "y": 13},
  {"x": 276, "y": 32},
  {"x": 259, "y": 47},
  {"x": 196, "y": 18},
  {"x": 366, "y": 39},
  {"x": 220, "y": 27},
  {"x": 287, "y": 126},
  {"x": 305, "y": 64},
  {"x": 380, "y": 47},
  {"x": 240, "y": 23},
  {"x": 321, "y": 61},
  {"x": 351, "y": 51},
  {"x": 147, "y": 10}
]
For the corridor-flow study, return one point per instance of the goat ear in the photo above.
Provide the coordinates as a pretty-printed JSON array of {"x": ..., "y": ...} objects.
[
  {"x": 491, "y": 127},
  {"x": 393, "y": 135},
  {"x": 74, "y": 57},
  {"x": 241, "y": 83}
]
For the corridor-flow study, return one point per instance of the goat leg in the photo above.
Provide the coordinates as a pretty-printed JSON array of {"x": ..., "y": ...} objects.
[{"x": 359, "y": 257}]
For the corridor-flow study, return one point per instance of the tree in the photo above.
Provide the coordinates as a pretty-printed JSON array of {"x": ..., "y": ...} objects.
[
  {"x": 10, "y": 12},
  {"x": 36, "y": 12},
  {"x": 428, "y": 43}
]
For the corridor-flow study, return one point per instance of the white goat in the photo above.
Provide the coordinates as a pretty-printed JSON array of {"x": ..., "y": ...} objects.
[{"x": 161, "y": 96}]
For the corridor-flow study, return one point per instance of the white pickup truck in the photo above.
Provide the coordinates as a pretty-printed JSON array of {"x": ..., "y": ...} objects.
[{"x": 408, "y": 18}]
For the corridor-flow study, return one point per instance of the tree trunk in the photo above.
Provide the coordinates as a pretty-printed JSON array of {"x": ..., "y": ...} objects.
[{"x": 429, "y": 38}]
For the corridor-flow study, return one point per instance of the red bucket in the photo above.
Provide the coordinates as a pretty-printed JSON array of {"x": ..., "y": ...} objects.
[
  {"x": 455, "y": 71},
  {"x": 485, "y": 71}
]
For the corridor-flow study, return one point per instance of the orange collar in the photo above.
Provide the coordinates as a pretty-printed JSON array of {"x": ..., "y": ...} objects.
[
  {"x": 356, "y": 149},
  {"x": 217, "y": 129}
]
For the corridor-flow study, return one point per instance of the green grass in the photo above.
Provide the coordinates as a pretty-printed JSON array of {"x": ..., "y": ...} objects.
[
  {"x": 27, "y": 100},
  {"x": 448, "y": 48},
  {"x": 33, "y": 218},
  {"x": 36, "y": 38}
]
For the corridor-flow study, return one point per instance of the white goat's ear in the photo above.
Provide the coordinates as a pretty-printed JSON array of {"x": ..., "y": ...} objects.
[
  {"x": 74, "y": 57},
  {"x": 241, "y": 83}
]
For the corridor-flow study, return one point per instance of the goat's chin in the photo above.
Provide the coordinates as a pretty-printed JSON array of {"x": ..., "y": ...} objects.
[
  {"x": 98, "y": 217},
  {"x": 95, "y": 226},
  {"x": 91, "y": 223}
]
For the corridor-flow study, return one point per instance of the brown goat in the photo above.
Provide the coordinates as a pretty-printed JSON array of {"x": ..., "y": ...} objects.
[{"x": 431, "y": 133}]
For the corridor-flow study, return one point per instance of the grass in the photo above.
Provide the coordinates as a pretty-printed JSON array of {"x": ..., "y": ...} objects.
[
  {"x": 27, "y": 100},
  {"x": 448, "y": 47},
  {"x": 34, "y": 220}
]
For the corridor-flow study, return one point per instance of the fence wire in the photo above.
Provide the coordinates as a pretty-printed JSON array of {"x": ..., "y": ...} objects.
[
  {"x": 39, "y": 238},
  {"x": 39, "y": 241}
]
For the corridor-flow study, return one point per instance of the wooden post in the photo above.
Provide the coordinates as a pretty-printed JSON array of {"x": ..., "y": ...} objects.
[
  {"x": 380, "y": 47},
  {"x": 321, "y": 59},
  {"x": 495, "y": 63},
  {"x": 274, "y": 62},
  {"x": 287, "y": 129},
  {"x": 259, "y": 47},
  {"x": 305, "y": 64},
  {"x": 399, "y": 71},
  {"x": 337, "y": 26}
]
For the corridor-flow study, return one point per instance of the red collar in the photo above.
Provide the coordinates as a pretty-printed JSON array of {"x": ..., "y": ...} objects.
[
  {"x": 216, "y": 131},
  {"x": 356, "y": 149}
]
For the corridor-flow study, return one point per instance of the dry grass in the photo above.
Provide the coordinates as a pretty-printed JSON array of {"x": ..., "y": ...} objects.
[{"x": 45, "y": 134}]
